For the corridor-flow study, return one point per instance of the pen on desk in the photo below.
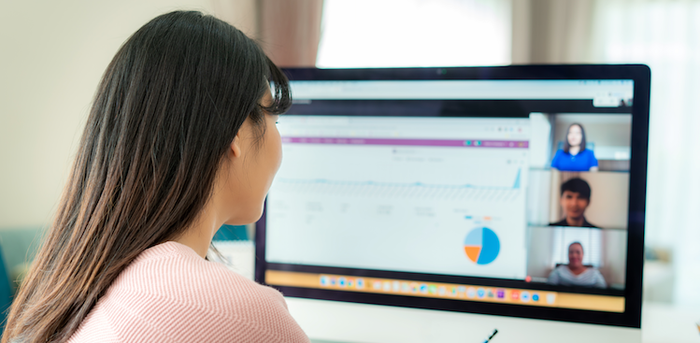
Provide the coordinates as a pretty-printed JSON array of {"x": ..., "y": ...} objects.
[{"x": 495, "y": 331}]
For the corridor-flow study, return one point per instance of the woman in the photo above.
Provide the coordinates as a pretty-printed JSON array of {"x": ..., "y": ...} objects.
[
  {"x": 575, "y": 156},
  {"x": 575, "y": 273},
  {"x": 181, "y": 139}
]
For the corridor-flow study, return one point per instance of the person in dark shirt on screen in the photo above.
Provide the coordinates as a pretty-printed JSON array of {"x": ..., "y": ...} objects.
[{"x": 575, "y": 198}]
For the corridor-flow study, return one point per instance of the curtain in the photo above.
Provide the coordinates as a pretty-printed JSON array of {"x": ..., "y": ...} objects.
[
  {"x": 664, "y": 35},
  {"x": 288, "y": 30},
  {"x": 551, "y": 31}
]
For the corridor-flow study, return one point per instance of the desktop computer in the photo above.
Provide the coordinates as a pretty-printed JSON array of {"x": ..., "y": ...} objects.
[{"x": 439, "y": 204}]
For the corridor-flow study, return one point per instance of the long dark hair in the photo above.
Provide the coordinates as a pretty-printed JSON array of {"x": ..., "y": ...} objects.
[
  {"x": 167, "y": 109},
  {"x": 567, "y": 146}
]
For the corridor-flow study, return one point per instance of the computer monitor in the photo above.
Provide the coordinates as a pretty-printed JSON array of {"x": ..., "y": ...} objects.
[{"x": 438, "y": 204}]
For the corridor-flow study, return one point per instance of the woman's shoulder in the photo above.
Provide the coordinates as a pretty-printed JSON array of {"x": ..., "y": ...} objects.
[
  {"x": 170, "y": 286},
  {"x": 592, "y": 272},
  {"x": 562, "y": 269},
  {"x": 173, "y": 270},
  {"x": 588, "y": 152},
  {"x": 557, "y": 159}
]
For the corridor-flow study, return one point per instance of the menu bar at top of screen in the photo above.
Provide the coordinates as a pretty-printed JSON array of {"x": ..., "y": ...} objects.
[
  {"x": 604, "y": 93},
  {"x": 403, "y": 127}
]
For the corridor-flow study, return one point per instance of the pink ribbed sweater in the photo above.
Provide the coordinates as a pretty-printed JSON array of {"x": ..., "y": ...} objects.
[{"x": 171, "y": 294}]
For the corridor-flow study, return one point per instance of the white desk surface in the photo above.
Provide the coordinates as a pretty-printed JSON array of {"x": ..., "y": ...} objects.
[{"x": 664, "y": 323}]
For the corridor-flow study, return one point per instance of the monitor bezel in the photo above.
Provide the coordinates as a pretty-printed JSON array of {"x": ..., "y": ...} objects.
[{"x": 641, "y": 76}]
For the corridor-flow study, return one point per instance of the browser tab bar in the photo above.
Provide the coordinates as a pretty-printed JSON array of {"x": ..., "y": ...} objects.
[{"x": 463, "y": 89}]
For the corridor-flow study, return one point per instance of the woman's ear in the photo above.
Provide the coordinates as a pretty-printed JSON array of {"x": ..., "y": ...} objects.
[{"x": 236, "y": 146}]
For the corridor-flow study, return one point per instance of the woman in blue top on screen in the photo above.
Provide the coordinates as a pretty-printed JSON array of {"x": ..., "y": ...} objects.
[{"x": 575, "y": 156}]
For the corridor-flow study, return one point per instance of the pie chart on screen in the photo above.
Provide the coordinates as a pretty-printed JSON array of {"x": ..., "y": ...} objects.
[{"x": 482, "y": 245}]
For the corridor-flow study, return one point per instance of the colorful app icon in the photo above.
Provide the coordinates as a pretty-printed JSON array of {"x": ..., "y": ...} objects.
[
  {"x": 405, "y": 287},
  {"x": 377, "y": 285},
  {"x": 471, "y": 292},
  {"x": 351, "y": 282},
  {"x": 360, "y": 284},
  {"x": 333, "y": 281},
  {"x": 501, "y": 293},
  {"x": 481, "y": 292},
  {"x": 515, "y": 295},
  {"x": 490, "y": 293},
  {"x": 461, "y": 289},
  {"x": 342, "y": 282},
  {"x": 535, "y": 297},
  {"x": 424, "y": 288},
  {"x": 551, "y": 297},
  {"x": 432, "y": 289},
  {"x": 414, "y": 288},
  {"x": 453, "y": 290},
  {"x": 324, "y": 281},
  {"x": 442, "y": 290},
  {"x": 387, "y": 286},
  {"x": 525, "y": 296}
]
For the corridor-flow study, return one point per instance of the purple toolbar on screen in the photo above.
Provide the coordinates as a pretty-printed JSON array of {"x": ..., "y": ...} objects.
[{"x": 466, "y": 143}]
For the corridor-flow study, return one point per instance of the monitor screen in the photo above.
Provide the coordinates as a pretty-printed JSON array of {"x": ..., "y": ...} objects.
[{"x": 501, "y": 196}]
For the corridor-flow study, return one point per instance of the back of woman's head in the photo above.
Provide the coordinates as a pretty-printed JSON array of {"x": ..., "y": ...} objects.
[{"x": 167, "y": 109}]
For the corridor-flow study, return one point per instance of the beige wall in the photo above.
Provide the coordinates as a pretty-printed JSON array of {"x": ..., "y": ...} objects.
[{"x": 52, "y": 54}]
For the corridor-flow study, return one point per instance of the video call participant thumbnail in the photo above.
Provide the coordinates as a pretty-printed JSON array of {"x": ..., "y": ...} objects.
[
  {"x": 575, "y": 273},
  {"x": 574, "y": 156},
  {"x": 575, "y": 198}
]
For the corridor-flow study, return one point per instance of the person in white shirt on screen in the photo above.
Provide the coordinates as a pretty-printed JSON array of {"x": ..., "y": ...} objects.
[{"x": 575, "y": 273}]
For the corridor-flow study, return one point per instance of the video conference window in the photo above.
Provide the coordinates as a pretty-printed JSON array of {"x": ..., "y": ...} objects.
[
  {"x": 578, "y": 196},
  {"x": 538, "y": 203}
]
